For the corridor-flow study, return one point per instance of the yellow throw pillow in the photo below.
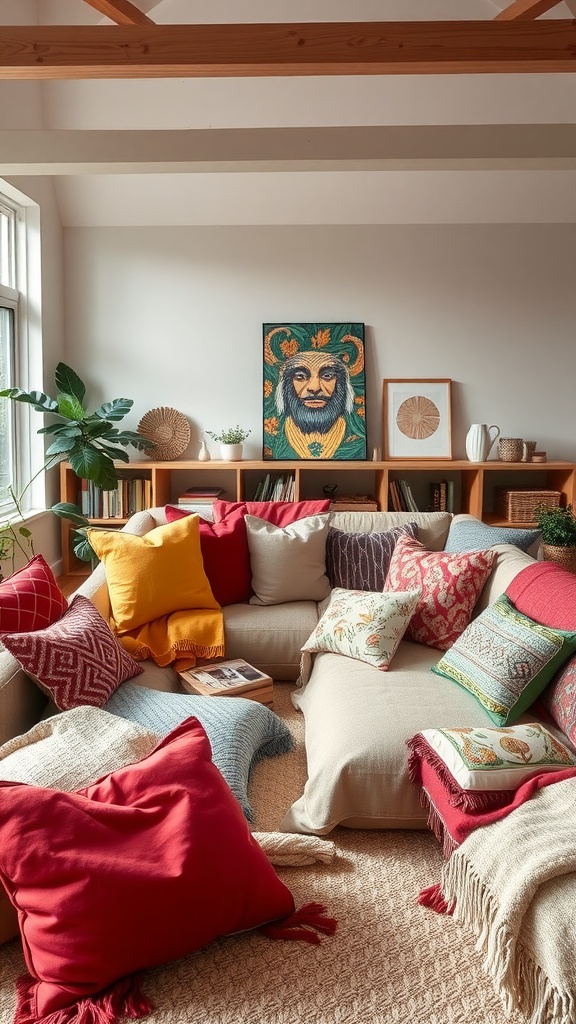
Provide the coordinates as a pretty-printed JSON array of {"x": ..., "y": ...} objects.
[{"x": 154, "y": 575}]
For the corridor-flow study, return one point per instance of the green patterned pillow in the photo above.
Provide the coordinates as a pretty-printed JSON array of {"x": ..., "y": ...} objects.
[
  {"x": 364, "y": 625},
  {"x": 506, "y": 659}
]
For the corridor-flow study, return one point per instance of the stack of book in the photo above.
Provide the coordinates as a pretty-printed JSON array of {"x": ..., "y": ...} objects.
[
  {"x": 354, "y": 503},
  {"x": 228, "y": 679},
  {"x": 199, "y": 496},
  {"x": 442, "y": 496}
]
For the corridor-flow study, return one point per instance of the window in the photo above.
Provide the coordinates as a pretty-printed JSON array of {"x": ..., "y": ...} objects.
[{"x": 8, "y": 328}]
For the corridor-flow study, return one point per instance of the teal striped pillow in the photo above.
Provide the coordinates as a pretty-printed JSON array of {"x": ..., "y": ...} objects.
[{"x": 505, "y": 660}]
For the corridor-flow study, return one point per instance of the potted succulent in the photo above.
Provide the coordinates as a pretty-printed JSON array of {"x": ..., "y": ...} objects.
[
  {"x": 558, "y": 528},
  {"x": 231, "y": 441},
  {"x": 89, "y": 441}
]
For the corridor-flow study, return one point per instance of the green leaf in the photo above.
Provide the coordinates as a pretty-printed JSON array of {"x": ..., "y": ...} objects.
[
  {"x": 68, "y": 382},
  {"x": 68, "y": 429},
  {"x": 60, "y": 445},
  {"x": 65, "y": 510},
  {"x": 115, "y": 410},
  {"x": 40, "y": 401},
  {"x": 70, "y": 407},
  {"x": 115, "y": 453},
  {"x": 96, "y": 428},
  {"x": 131, "y": 437},
  {"x": 82, "y": 548},
  {"x": 24, "y": 532},
  {"x": 90, "y": 464}
]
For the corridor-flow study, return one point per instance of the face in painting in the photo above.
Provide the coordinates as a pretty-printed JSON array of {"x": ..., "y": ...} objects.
[{"x": 314, "y": 390}]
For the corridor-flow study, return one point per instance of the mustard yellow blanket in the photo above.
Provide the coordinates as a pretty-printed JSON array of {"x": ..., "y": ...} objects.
[{"x": 182, "y": 637}]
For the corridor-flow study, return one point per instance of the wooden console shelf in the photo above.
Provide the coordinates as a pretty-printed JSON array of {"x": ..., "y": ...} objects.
[{"x": 473, "y": 482}]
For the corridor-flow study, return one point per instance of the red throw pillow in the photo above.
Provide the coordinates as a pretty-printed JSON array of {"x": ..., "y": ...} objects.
[
  {"x": 450, "y": 583},
  {"x": 77, "y": 660},
  {"x": 546, "y": 592},
  {"x": 30, "y": 598},
  {"x": 170, "y": 864},
  {"x": 279, "y": 513},
  {"x": 225, "y": 555}
]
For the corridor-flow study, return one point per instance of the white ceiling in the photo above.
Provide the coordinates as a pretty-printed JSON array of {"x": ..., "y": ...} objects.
[{"x": 92, "y": 195}]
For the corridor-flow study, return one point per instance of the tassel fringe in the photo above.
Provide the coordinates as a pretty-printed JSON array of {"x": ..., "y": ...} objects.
[
  {"x": 123, "y": 999},
  {"x": 469, "y": 801},
  {"x": 437, "y": 826},
  {"x": 433, "y": 899},
  {"x": 302, "y": 925}
]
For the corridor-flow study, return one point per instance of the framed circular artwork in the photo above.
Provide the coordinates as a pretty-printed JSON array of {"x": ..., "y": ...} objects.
[{"x": 417, "y": 418}]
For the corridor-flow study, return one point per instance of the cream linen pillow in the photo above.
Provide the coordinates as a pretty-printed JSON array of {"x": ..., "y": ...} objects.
[{"x": 288, "y": 563}]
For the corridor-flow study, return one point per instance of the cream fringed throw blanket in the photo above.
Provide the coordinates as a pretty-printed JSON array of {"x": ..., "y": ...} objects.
[{"x": 514, "y": 883}]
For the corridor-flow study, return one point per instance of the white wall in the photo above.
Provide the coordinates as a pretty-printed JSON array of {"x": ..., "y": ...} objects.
[{"x": 172, "y": 316}]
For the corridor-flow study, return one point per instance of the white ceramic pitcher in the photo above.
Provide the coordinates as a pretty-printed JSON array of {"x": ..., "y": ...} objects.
[{"x": 479, "y": 441}]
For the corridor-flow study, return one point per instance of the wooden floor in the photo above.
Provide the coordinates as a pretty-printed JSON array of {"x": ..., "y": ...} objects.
[{"x": 68, "y": 584}]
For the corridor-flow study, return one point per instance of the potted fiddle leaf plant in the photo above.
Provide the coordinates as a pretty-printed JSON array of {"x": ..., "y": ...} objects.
[
  {"x": 558, "y": 528},
  {"x": 231, "y": 441},
  {"x": 90, "y": 441}
]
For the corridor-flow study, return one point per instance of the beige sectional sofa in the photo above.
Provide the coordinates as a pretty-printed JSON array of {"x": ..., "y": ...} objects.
[{"x": 357, "y": 718}]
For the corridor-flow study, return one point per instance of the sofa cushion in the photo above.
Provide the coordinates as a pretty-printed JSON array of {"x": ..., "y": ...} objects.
[
  {"x": 152, "y": 871},
  {"x": 508, "y": 562},
  {"x": 241, "y": 731},
  {"x": 478, "y": 765},
  {"x": 467, "y": 533},
  {"x": 506, "y": 659},
  {"x": 547, "y": 593},
  {"x": 76, "y": 660},
  {"x": 270, "y": 637},
  {"x": 360, "y": 561},
  {"x": 225, "y": 555},
  {"x": 30, "y": 598},
  {"x": 154, "y": 575},
  {"x": 450, "y": 585},
  {"x": 288, "y": 563},
  {"x": 559, "y": 698},
  {"x": 357, "y": 721},
  {"x": 364, "y": 625},
  {"x": 432, "y": 526},
  {"x": 280, "y": 513}
]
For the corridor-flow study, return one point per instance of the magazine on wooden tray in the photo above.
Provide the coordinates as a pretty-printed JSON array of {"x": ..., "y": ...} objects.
[{"x": 236, "y": 678}]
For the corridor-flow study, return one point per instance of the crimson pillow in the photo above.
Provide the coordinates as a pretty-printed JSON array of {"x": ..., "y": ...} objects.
[
  {"x": 279, "y": 513},
  {"x": 76, "y": 660},
  {"x": 30, "y": 598},
  {"x": 545, "y": 592},
  {"x": 171, "y": 866},
  {"x": 225, "y": 555}
]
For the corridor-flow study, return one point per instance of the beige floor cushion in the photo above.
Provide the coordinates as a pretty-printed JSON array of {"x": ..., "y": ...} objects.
[{"x": 357, "y": 721}]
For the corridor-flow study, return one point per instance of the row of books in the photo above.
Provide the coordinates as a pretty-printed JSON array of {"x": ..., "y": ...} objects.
[
  {"x": 276, "y": 488},
  {"x": 401, "y": 497},
  {"x": 442, "y": 496},
  {"x": 132, "y": 494}
]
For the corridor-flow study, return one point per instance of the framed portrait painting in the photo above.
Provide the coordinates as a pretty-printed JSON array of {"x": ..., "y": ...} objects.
[
  {"x": 314, "y": 391},
  {"x": 417, "y": 419}
]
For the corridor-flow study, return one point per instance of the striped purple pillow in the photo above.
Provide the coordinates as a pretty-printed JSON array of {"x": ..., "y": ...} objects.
[{"x": 359, "y": 561}]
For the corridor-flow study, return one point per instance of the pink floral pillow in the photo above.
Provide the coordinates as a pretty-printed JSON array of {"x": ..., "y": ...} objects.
[
  {"x": 559, "y": 698},
  {"x": 450, "y": 583}
]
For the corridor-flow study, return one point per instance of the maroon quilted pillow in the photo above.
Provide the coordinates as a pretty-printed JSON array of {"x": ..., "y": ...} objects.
[{"x": 76, "y": 660}]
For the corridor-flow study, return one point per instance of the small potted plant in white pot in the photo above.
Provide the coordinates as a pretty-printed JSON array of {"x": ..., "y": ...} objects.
[
  {"x": 558, "y": 528},
  {"x": 231, "y": 441}
]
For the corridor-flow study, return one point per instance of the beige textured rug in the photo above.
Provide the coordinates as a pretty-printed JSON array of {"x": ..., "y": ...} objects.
[{"x": 390, "y": 962}]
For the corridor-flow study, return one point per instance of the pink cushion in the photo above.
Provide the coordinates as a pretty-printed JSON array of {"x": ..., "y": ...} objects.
[
  {"x": 559, "y": 699},
  {"x": 546, "y": 592},
  {"x": 225, "y": 555},
  {"x": 279, "y": 513},
  {"x": 450, "y": 585},
  {"x": 76, "y": 660},
  {"x": 171, "y": 865},
  {"x": 30, "y": 598}
]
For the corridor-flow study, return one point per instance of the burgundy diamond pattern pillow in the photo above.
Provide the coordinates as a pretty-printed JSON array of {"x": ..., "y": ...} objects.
[
  {"x": 30, "y": 598},
  {"x": 77, "y": 660}
]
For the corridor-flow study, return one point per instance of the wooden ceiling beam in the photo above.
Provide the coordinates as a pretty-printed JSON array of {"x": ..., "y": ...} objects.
[
  {"x": 526, "y": 10},
  {"x": 247, "y": 50},
  {"x": 120, "y": 11}
]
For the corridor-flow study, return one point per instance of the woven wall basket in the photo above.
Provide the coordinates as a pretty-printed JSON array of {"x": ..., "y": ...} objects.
[
  {"x": 565, "y": 557},
  {"x": 170, "y": 431}
]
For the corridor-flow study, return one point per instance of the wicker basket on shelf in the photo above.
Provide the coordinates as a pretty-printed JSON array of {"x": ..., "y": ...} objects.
[
  {"x": 564, "y": 556},
  {"x": 518, "y": 506}
]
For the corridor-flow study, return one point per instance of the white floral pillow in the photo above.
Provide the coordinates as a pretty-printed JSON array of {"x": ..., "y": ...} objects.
[{"x": 364, "y": 625}]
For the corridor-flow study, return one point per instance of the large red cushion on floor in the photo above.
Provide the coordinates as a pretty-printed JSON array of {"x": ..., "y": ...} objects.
[{"x": 147, "y": 864}]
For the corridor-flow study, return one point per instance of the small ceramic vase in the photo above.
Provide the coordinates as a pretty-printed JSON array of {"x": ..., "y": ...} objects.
[
  {"x": 204, "y": 454},
  {"x": 479, "y": 441}
]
